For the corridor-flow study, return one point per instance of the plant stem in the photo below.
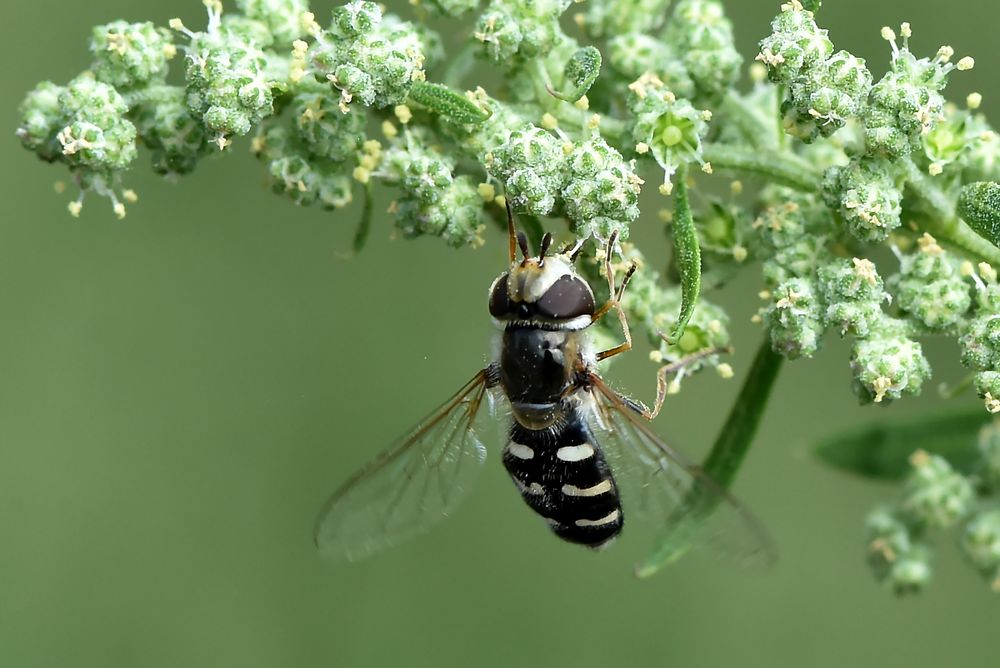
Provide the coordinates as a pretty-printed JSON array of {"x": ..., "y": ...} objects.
[
  {"x": 777, "y": 166},
  {"x": 721, "y": 464},
  {"x": 942, "y": 221},
  {"x": 737, "y": 433}
]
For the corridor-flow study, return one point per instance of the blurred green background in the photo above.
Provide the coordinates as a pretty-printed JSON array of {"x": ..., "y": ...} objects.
[{"x": 180, "y": 391}]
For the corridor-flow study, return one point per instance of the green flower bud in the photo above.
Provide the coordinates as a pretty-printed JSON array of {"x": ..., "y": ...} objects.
[
  {"x": 794, "y": 319},
  {"x": 981, "y": 544},
  {"x": 796, "y": 44},
  {"x": 853, "y": 292},
  {"x": 176, "y": 138},
  {"x": 41, "y": 121},
  {"x": 324, "y": 128},
  {"x": 634, "y": 54},
  {"x": 368, "y": 58},
  {"x": 702, "y": 36},
  {"x": 517, "y": 30},
  {"x": 929, "y": 286},
  {"x": 610, "y": 19},
  {"x": 934, "y": 493},
  {"x": 887, "y": 365},
  {"x": 980, "y": 343},
  {"x": 456, "y": 215},
  {"x": 988, "y": 387},
  {"x": 896, "y": 559},
  {"x": 97, "y": 135},
  {"x": 823, "y": 98},
  {"x": 906, "y": 105},
  {"x": 355, "y": 18},
  {"x": 227, "y": 83},
  {"x": 797, "y": 260},
  {"x": 305, "y": 178},
  {"x": 602, "y": 195},
  {"x": 282, "y": 17},
  {"x": 866, "y": 196},
  {"x": 531, "y": 165},
  {"x": 130, "y": 54}
]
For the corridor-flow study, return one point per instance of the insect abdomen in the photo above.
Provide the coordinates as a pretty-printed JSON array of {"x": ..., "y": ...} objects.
[{"x": 563, "y": 476}]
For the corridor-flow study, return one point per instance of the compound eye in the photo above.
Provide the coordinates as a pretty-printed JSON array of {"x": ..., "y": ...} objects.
[
  {"x": 500, "y": 298},
  {"x": 568, "y": 298}
]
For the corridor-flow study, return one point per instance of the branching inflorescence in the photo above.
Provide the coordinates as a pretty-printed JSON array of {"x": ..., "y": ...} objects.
[{"x": 837, "y": 161}]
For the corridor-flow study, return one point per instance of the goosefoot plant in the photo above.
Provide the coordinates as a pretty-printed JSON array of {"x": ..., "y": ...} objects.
[{"x": 836, "y": 163}]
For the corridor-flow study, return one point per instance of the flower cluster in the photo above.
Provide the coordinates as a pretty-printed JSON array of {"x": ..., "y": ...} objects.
[
  {"x": 834, "y": 170},
  {"x": 937, "y": 496}
]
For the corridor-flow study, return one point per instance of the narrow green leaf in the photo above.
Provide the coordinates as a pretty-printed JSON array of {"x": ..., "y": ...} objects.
[
  {"x": 979, "y": 205},
  {"x": 448, "y": 102},
  {"x": 581, "y": 72},
  {"x": 882, "y": 450},
  {"x": 687, "y": 255}
]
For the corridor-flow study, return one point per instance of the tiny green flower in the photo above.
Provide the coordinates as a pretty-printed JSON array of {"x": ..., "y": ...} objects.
[
  {"x": 130, "y": 54},
  {"x": 934, "y": 493}
]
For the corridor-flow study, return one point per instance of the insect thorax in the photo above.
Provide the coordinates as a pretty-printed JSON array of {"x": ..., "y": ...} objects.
[{"x": 542, "y": 307}]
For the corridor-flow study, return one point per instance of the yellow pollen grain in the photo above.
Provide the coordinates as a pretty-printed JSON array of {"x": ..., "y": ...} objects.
[
  {"x": 487, "y": 192},
  {"x": 725, "y": 371},
  {"x": 549, "y": 122},
  {"x": 965, "y": 64},
  {"x": 361, "y": 175},
  {"x": 74, "y": 208},
  {"x": 130, "y": 196},
  {"x": 583, "y": 103},
  {"x": 403, "y": 113},
  {"x": 987, "y": 271},
  {"x": 642, "y": 148},
  {"x": 389, "y": 130},
  {"x": 974, "y": 100}
]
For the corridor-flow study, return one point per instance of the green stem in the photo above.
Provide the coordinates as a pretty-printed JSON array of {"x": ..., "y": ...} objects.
[
  {"x": 721, "y": 464},
  {"x": 776, "y": 166},
  {"x": 736, "y": 435},
  {"x": 942, "y": 221},
  {"x": 752, "y": 128}
]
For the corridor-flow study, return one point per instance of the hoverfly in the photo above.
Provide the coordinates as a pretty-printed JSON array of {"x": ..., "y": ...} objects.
[{"x": 563, "y": 413}]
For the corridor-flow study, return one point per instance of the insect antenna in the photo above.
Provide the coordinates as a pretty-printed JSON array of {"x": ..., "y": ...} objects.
[
  {"x": 522, "y": 241},
  {"x": 512, "y": 240},
  {"x": 546, "y": 243}
]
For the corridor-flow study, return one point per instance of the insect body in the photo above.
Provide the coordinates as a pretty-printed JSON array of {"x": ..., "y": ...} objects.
[
  {"x": 552, "y": 455},
  {"x": 562, "y": 412}
]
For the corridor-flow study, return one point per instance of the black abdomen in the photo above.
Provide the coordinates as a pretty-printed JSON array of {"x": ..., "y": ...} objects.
[{"x": 563, "y": 476}]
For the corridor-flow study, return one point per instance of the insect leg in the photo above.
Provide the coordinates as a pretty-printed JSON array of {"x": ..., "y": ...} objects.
[
  {"x": 674, "y": 368},
  {"x": 615, "y": 303}
]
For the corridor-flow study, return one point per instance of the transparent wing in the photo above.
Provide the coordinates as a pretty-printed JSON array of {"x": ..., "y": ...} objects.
[
  {"x": 412, "y": 485},
  {"x": 689, "y": 508}
]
